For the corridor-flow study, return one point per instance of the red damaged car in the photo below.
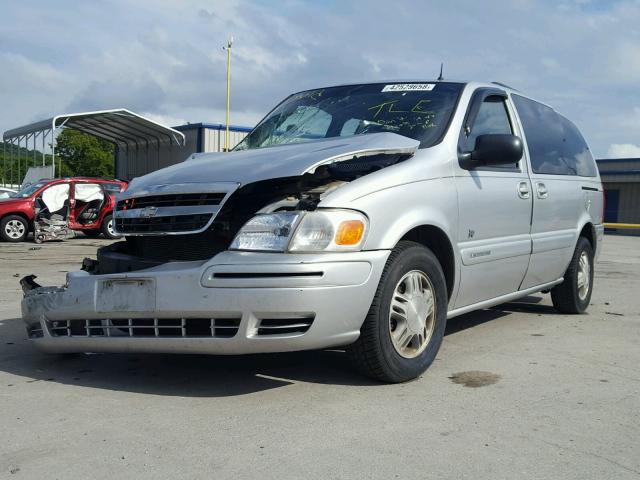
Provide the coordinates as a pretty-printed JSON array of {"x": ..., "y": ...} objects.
[{"x": 78, "y": 203}]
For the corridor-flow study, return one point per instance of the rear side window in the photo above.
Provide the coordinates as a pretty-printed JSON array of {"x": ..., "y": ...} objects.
[
  {"x": 112, "y": 187},
  {"x": 556, "y": 147},
  {"x": 576, "y": 151}
]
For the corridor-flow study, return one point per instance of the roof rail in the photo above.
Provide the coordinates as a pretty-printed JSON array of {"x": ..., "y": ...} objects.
[{"x": 505, "y": 85}]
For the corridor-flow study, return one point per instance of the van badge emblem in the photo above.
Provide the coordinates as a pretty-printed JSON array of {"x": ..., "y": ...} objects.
[{"x": 148, "y": 212}]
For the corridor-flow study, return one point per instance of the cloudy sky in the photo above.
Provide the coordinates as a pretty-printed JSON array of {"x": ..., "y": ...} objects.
[{"x": 163, "y": 58}]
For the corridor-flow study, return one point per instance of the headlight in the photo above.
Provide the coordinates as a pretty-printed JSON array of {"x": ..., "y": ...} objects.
[
  {"x": 270, "y": 232},
  {"x": 319, "y": 231}
]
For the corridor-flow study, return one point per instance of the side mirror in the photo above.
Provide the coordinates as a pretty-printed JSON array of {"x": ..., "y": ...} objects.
[{"x": 494, "y": 149}]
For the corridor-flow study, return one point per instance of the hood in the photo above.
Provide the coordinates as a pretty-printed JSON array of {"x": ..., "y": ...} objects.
[{"x": 248, "y": 166}]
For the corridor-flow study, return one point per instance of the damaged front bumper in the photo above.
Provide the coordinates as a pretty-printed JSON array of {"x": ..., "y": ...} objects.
[{"x": 235, "y": 303}]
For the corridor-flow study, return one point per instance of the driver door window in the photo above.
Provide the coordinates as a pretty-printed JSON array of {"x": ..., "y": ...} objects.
[{"x": 492, "y": 118}]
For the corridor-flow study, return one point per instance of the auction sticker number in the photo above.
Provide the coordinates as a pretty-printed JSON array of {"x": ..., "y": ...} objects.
[{"x": 409, "y": 87}]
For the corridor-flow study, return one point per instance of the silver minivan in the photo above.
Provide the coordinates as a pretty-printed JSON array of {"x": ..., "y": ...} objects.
[{"x": 359, "y": 216}]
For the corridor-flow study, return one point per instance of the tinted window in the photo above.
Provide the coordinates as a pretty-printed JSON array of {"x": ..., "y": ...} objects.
[
  {"x": 555, "y": 145},
  {"x": 111, "y": 187},
  {"x": 492, "y": 118},
  {"x": 576, "y": 152}
]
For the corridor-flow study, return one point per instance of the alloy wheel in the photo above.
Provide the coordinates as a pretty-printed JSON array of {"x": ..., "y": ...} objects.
[
  {"x": 412, "y": 314},
  {"x": 14, "y": 229},
  {"x": 584, "y": 275}
]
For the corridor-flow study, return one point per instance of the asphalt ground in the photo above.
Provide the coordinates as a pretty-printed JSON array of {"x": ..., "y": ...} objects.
[{"x": 517, "y": 391}]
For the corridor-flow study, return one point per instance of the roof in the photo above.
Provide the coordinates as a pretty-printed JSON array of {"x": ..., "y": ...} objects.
[
  {"x": 614, "y": 170},
  {"x": 213, "y": 126},
  {"x": 81, "y": 179},
  {"x": 119, "y": 126},
  {"x": 612, "y": 160}
]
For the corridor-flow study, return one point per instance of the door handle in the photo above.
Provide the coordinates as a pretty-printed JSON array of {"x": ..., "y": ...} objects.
[
  {"x": 523, "y": 190},
  {"x": 542, "y": 190}
]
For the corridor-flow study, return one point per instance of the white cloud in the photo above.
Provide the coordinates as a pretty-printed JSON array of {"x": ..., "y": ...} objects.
[
  {"x": 623, "y": 150},
  {"x": 166, "y": 120}
]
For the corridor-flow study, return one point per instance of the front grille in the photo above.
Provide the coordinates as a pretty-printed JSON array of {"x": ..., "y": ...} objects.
[
  {"x": 173, "y": 200},
  {"x": 285, "y": 326},
  {"x": 147, "y": 327},
  {"x": 166, "y": 248},
  {"x": 177, "y": 223}
]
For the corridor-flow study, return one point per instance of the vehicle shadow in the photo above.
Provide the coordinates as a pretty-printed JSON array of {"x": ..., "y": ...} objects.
[
  {"x": 530, "y": 304},
  {"x": 201, "y": 375}
]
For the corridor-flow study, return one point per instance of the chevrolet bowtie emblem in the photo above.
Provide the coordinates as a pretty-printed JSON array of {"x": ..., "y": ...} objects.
[{"x": 148, "y": 212}]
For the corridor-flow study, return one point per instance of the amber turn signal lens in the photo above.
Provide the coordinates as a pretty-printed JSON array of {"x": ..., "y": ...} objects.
[{"x": 349, "y": 232}]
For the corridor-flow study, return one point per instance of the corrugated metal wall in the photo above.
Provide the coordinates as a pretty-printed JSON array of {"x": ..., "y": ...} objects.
[
  {"x": 628, "y": 200},
  {"x": 213, "y": 139},
  {"x": 133, "y": 162},
  {"x": 621, "y": 181}
]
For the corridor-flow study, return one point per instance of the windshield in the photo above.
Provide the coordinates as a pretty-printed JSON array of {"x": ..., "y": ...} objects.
[
  {"x": 417, "y": 110},
  {"x": 28, "y": 190}
]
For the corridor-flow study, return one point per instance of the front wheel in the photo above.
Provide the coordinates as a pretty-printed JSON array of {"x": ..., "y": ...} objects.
[
  {"x": 107, "y": 228},
  {"x": 405, "y": 325},
  {"x": 14, "y": 228},
  {"x": 574, "y": 293}
]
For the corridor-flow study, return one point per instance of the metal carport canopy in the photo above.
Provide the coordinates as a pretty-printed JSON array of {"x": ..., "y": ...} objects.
[{"x": 122, "y": 127}]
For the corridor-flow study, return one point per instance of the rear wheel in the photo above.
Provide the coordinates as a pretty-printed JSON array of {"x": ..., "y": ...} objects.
[
  {"x": 405, "y": 325},
  {"x": 14, "y": 228},
  {"x": 574, "y": 293},
  {"x": 107, "y": 228}
]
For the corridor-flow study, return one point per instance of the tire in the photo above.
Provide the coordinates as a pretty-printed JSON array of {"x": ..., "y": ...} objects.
[
  {"x": 14, "y": 228},
  {"x": 572, "y": 295},
  {"x": 92, "y": 233},
  {"x": 107, "y": 228},
  {"x": 376, "y": 354}
]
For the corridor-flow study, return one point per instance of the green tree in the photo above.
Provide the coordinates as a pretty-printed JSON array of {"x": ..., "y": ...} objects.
[{"x": 84, "y": 155}]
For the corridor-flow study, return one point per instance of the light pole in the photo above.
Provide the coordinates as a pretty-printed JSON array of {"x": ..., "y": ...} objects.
[{"x": 228, "y": 49}]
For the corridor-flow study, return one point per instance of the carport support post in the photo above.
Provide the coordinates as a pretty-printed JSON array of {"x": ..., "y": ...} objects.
[
  {"x": 19, "y": 148},
  {"x": 11, "y": 161},
  {"x": 53, "y": 153},
  {"x": 26, "y": 153},
  {"x": 4, "y": 163}
]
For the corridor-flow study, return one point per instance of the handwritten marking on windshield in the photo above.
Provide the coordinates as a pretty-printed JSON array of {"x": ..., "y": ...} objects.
[
  {"x": 418, "y": 106},
  {"x": 313, "y": 95},
  {"x": 389, "y": 107},
  {"x": 381, "y": 106}
]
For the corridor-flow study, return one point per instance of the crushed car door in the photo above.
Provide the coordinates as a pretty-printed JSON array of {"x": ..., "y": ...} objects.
[{"x": 87, "y": 201}]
